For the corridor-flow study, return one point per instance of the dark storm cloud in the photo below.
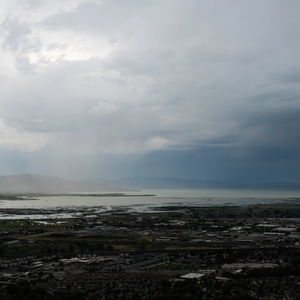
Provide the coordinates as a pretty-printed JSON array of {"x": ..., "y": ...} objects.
[
  {"x": 273, "y": 133},
  {"x": 290, "y": 77},
  {"x": 184, "y": 88}
]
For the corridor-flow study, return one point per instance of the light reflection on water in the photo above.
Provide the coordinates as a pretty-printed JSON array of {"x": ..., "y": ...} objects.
[{"x": 140, "y": 203}]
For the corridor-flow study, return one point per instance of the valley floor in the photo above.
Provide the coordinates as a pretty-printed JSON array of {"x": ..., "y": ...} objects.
[{"x": 178, "y": 252}]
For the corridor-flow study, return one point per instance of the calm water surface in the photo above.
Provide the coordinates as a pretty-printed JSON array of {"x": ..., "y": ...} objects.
[{"x": 163, "y": 197}]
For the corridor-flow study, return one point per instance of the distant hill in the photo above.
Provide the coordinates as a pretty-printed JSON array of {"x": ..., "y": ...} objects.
[
  {"x": 170, "y": 183},
  {"x": 166, "y": 183},
  {"x": 28, "y": 183}
]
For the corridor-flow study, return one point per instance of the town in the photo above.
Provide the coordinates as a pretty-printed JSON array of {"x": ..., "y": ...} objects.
[{"x": 172, "y": 252}]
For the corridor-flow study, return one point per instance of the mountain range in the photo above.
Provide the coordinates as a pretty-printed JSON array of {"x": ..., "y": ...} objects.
[
  {"x": 173, "y": 183},
  {"x": 28, "y": 183}
]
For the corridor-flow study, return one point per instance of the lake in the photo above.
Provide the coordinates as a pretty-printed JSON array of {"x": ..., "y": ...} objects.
[{"x": 163, "y": 197}]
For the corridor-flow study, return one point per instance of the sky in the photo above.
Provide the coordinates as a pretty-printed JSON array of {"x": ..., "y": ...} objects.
[{"x": 201, "y": 89}]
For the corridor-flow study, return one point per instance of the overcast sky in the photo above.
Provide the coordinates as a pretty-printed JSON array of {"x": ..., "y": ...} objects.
[{"x": 114, "y": 88}]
